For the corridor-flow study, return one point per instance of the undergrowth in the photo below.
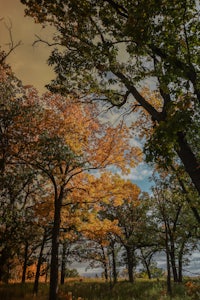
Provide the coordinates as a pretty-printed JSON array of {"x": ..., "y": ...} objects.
[{"x": 97, "y": 290}]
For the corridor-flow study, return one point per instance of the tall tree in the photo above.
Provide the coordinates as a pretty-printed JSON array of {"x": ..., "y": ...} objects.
[
  {"x": 42, "y": 134},
  {"x": 62, "y": 149},
  {"x": 113, "y": 47}
]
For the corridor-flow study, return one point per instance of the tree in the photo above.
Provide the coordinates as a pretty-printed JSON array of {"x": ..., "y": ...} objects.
[
  {"x": 177, "y": 225},
  {"x": 62, "y": 149},
  {"x": 122, "y": 204},
  {"x": 110, "y": 48},
  {"x": 42, "y": 134}
]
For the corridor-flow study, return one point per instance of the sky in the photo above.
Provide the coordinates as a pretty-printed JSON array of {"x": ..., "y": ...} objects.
[{"x": 30, "y": 62}]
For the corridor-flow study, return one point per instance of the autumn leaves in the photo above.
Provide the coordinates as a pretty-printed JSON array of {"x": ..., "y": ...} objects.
[{"x": 65, "y": 146}]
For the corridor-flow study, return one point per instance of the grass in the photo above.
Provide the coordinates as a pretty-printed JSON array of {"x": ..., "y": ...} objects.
[{"x": 97, "y": 290}]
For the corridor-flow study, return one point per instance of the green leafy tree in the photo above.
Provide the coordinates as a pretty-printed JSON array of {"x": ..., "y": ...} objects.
[
  {"x": 111, "y": 48},
  {"x": 178, "y": 228},
  {"x": 71, "y": 273}
]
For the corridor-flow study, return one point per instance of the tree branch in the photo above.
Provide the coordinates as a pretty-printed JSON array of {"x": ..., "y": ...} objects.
[
  {"x": 11, "y": 44},
  {"x": 157, "y": 116},
  {"x": 119, "y": 8}
]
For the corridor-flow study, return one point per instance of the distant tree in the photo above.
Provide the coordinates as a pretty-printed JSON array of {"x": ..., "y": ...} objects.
[
  {"x": 71, "y": 273},
  {"x": 122, "y": 204},
  {"x": 178, "y": 226}
]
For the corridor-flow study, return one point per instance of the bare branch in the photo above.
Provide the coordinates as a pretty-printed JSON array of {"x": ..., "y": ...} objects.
[
  {"x": 12, "y": 45},
  {"x": 40, "y": 40}
]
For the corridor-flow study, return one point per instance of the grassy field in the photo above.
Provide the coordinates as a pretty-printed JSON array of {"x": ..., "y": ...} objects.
[{"x": 95, "y": 290}]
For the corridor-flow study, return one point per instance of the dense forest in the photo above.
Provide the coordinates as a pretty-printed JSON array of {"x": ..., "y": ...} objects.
[{"x": 64, "y": 162}]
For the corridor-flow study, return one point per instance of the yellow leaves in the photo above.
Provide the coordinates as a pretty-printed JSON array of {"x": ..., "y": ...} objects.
[
  {"x": 98, "y": 230},
  {"x": 67, "y": 118},
  {"x": 114, "y": 148}
]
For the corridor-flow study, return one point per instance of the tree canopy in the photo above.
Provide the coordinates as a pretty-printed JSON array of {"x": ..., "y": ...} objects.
[{"x": 111, "y": 48}]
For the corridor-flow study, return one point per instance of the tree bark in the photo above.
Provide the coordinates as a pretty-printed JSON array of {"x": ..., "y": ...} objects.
[
  {"x": 105, "y": 266},
  {"x": 169, "y": 287},
  {"x": 25, "y": 262},
  {"x": 130, "y": 262},
  {"x": 173, "y": 264},
  {"x": 63, "y": 266},
  {"x": 192, "y": 166},
  {"x": 37, "y": 275},
  {"x": 180, "y": 259},
  {"x": 147, "y": 268},
  {"x": 53, "y": 291},
  {"x": 114, "y": 269},
  {"x": 180, "y": 267}
]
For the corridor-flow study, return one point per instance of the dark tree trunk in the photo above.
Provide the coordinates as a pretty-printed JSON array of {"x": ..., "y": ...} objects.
[
  {"x": 53, "y": 291},
  {"x": 169, "y": 287},
  {"x": 192, "y": 166},
  {"x": 130, "y": 262},
  {"x": 63, "y": 266},
  {"x": 180, "y": 261},
  {"x": 180, "y": 268},
  {"x": 114, "y": 269},
  {"x": 146, "y": 260},
  {"x": 173, "y": 264},
  {"x": 25, "y": 262},
  {"x": 39, "y": 263},
  {"x": 4, "y": 265},
  {"x": 147, "y": 268},
  {"x": 105, "y": 266},
  {"x": 173, "y": 257}
]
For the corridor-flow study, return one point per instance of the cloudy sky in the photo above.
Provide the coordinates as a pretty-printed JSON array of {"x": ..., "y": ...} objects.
[{"x": 29, "y": 62}]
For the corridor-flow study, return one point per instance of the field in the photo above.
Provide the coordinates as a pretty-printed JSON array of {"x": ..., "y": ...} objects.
[{"x": 96, "y": 290}]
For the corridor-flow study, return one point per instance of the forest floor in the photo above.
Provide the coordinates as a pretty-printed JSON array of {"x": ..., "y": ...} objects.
[{"x": 85, "y": 289}]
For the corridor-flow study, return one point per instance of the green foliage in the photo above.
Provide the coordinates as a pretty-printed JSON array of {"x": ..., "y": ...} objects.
[
  {"x": 112, "y": 48},
  {"x": 156, "y": 272},
  {"x": 141, "y": 290},
  {"x": 71, "y": 273}
]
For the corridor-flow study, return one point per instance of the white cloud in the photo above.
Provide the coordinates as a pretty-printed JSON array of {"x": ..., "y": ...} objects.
[{"x": 140, "y": 173}]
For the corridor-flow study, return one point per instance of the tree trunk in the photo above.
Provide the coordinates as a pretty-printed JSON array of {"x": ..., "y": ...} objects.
[
  {"x": 146, "y": 261},
  {"x": 169, "y": 287},
  {"x": 180, "y": 268},
  {"x": 53, "y": 291},
  {"x": 180, "y": 261},
  {"x": 173, "y": 257},
  {"x": 37, "y": 275},
  {"x": 105, "y": 266},
  {"x": 147, "y": 268},
  {"x": 63, "y": 266},
  {"x": 192, "y": 166},
  {"x": 114, "y": 270},
  {"x": 25, "y": 262},
  {"x": 4, "y": 265},
  {"x": 130, "y": 262},
  {"x": 173, "y": 264}
]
